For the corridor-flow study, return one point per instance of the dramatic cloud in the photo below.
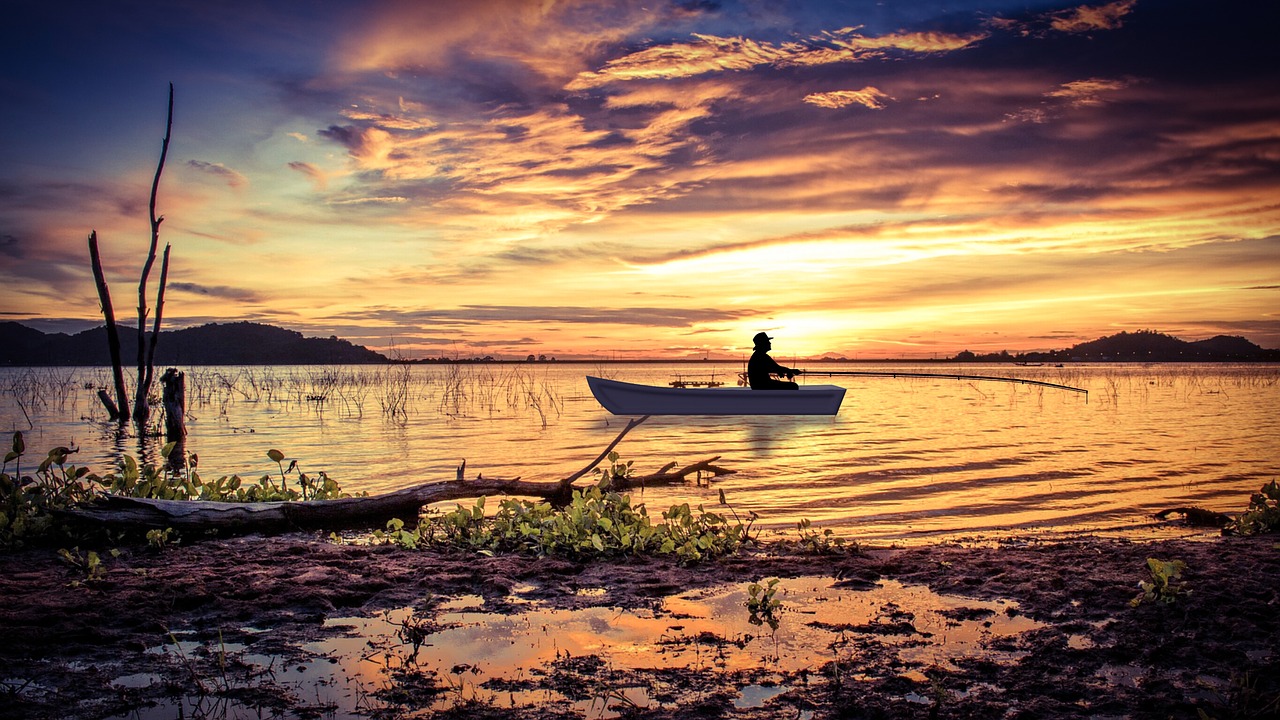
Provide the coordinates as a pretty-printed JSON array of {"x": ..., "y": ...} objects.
[
  {"x": 711, "y": 54},
  {"x": 654, "y": 177}
]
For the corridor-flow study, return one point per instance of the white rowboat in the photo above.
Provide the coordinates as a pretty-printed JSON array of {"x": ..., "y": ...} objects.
[{"x": 623, "y": 398}]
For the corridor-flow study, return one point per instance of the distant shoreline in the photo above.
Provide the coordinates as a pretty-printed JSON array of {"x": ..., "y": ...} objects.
[
  {"x": 545, "y": 363},
  {"x": 250, "y": 344}
]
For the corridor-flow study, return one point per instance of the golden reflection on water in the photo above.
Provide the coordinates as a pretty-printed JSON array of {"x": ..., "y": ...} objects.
[
  {"x": 608, "y": 653},
  {"x": 905, "y": 460}
]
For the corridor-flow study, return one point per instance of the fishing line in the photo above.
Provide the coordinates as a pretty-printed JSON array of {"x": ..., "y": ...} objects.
[{"x": 945, "y": 376}]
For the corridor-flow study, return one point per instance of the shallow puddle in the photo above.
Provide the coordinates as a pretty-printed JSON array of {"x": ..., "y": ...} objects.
[{"x": 601, "y": 659}]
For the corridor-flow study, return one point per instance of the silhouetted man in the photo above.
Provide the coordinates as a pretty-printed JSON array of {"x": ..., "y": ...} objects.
[{"x": 761, "y": 366}]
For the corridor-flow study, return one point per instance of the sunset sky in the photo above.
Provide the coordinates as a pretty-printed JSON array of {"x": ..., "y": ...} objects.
[{"x": 600, "y": 179}]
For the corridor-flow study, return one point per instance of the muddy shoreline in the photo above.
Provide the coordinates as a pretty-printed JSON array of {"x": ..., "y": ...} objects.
[{"x": 1215, "y": 649}]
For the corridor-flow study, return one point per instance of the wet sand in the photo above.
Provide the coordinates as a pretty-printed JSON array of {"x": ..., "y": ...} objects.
[{"x": 1215, "y": 649}]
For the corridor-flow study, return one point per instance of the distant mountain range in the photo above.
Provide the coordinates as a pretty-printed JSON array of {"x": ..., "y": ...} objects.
[
  {"x": 241, "y": 343},
  {"x": 1144, "y": 346},
  {"x": 245, "y": 343}
]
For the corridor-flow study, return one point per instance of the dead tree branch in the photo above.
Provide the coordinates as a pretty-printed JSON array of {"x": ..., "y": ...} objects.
[
  {"x": 141, "y": 410},
  {"x": 120, "y": 409},
  {"x": 630, "y": 424}
]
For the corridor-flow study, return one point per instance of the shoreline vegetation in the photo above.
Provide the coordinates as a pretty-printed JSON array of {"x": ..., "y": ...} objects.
[
  {"x": 153, "y": 623},
  {"x": 245, "y": 343},
  {"x": 413, "y": 619},
  {"x": 205, "y": 625},
  {"x": 214, "y": 626}
]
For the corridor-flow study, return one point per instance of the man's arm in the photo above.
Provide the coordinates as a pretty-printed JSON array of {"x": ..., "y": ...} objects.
[{"x": 780, "y": 370}]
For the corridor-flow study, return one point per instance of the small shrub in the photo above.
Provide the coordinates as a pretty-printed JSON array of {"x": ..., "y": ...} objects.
[
  {"x": 817, "y": 543},
  {"x": 89, "y": 565},
  {"x": 1164, "y": 586},
  {"x": 762, "y": 603},
  {"x": 396, "y": 534},
  {"x": 160, "y": 539},
  {"x": 1263, "y": 513}
]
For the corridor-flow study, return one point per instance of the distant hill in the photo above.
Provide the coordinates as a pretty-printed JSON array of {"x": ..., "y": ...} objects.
[
  {"x": 1146, "y": 346},
  {"x": 241, "y": 343}
]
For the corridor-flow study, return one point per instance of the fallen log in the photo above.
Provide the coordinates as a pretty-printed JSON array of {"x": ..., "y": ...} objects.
[{"x": 374, "y": 511}]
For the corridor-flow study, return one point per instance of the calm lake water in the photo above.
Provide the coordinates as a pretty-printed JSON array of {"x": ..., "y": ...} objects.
[{"x": 905, "y": 460}]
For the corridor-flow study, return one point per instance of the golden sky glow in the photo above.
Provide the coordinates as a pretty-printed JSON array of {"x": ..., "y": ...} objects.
[{"x": 604, "y": 179}]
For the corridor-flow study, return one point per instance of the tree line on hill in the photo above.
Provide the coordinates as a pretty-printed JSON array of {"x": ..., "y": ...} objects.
[
  {"x": 246, "y": 343},
  {"x": 1140, "y": 346},
  {"x": 240, "y": 343}
]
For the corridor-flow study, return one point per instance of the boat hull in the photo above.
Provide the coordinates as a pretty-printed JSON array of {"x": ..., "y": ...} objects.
[{"x": 623, "y": 398}]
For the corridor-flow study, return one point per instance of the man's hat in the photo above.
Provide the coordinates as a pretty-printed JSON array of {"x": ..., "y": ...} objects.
[{"x": 761, "y": 338}]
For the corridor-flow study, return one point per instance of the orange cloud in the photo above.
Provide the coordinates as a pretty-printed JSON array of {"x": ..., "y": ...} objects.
[
  {"x": 1093, "y": 17},
  {"x": 554, "y": 40},
  {"x": 867, "y": 97},
  {"x": 1083, "y": 93},
  {"x": 710, "y": 53}
]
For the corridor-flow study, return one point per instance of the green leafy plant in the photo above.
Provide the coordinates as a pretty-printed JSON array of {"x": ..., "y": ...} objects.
[
  {"x": 596, "y": 522},
  {"x": 762, "y": 603},
  {"x": 185, "y": 483},
  {"x": 819, "y": 543},
  {"x": 160, "y": 539},
  {"x": 617, "y": 472},
  {"x": 29, "y": 503},
  {"x": 1263, "y": 513},
  {"x": 88, "y": 564},
  {"x": 397, "y": 534},
  {"x": 1165, "y": 584}
]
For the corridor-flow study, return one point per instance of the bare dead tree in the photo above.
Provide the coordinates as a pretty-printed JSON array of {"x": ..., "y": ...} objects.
[
  {"x": 146, "y": 350},
  {"x": 146, "y": 356}
]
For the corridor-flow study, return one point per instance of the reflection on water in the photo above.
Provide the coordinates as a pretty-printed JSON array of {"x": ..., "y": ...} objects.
[
  {"x": 598, "y": 659},
  {"x": 905, "y": 459}
]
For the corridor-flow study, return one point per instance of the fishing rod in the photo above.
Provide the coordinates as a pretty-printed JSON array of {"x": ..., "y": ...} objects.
[{"x": 945, "y": 376}]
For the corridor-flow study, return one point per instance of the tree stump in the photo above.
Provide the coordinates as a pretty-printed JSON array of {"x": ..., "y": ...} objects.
[{"x": 174, "y": 397}]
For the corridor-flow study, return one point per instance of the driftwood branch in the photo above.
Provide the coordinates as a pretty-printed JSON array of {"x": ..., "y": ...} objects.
[{"x": 358, "y": 512}]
